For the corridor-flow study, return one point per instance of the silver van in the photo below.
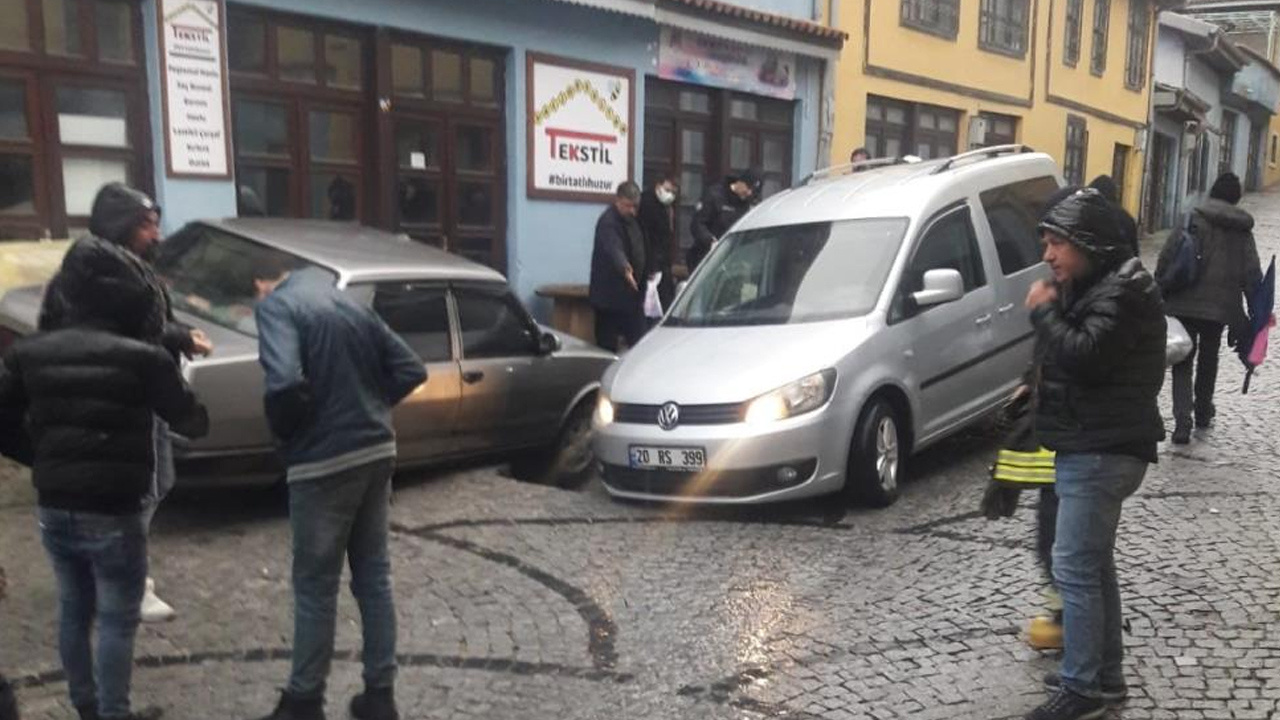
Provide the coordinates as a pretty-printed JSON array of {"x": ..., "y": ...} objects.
[{"x": 839, "y": 328}]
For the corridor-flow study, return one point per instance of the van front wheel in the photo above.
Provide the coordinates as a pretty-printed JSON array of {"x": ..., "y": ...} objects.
[{"x": 876, "y": 456}]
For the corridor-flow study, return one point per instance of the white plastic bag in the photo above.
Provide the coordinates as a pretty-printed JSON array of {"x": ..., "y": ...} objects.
[
  {"x": 652, "y": 304},
  {"x": 1178, "y": 343}
]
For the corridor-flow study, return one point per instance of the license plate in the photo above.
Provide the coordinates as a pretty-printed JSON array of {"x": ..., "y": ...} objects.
[{"x": 668, "y": 458}]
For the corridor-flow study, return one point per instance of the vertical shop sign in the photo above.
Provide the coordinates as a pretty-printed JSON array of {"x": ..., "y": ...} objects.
[{"x": 193, "y": 76}]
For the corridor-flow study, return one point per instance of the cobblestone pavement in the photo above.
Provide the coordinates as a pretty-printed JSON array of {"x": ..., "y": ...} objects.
[{"x": 519, "y": 601}]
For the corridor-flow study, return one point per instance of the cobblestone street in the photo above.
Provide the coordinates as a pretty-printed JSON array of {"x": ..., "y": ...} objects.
[{"x": 520, "y": 601}]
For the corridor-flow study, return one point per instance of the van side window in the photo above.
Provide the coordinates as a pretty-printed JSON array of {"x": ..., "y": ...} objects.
[
  {"x": 1013, "y": 211},
  {"x": 948, "y": 243}
]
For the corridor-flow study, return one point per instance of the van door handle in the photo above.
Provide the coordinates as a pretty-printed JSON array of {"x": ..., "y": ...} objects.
[
  {"x": 983, "y": 320},
  {"x": 471, "y": 377},
  {"x": 1004, "y": 309}
]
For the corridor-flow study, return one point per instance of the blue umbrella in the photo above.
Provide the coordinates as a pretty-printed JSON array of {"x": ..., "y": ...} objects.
[{"x": 1253, "y": 346}]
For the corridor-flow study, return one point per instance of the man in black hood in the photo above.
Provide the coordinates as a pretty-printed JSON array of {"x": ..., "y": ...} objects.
[
  {"x": 127, "y": 218},
  {"x": 1100, "y": 336},
  {"x": 722, "y": 205}
]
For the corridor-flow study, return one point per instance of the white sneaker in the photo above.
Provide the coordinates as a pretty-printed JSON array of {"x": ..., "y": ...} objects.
[{"x": 154, "y": 609}]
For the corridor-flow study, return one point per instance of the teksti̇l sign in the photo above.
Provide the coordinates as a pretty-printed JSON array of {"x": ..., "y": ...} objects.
[
  {"x": 581, "y": 128},
  {"x": 193, "y": 72}
]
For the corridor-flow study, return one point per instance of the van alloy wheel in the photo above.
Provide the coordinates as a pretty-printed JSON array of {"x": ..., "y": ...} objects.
[
  {"x": 876, "y": 460},
  {"x": 887, "y": 453}
]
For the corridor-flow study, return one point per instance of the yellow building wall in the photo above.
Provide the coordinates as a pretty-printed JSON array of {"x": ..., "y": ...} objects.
[
  {"x": 961, "y": 62},
  {"x": 1271, "y": 164}
]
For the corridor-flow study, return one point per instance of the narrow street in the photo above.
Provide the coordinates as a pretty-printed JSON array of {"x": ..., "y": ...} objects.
[{"x": 519, "y": 601}]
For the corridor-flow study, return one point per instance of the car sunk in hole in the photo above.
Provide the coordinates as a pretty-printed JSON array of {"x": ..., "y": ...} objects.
[{"x": 839, "y": 328}]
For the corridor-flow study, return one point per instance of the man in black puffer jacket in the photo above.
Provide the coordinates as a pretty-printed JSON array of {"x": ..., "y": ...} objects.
[
  {"x": 1101, "y": 335},
  {"x": 91, "y": 392}
]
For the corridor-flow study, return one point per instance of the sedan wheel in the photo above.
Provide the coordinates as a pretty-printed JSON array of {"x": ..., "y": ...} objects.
[
  {"x": 875, "y": 457},
  {"x": 567, "y": 464}
]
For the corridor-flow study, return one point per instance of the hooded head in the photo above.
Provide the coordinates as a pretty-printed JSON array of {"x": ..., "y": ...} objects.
[
  {"x": 1227, "y": 188},
  {"x": 126, "y": 217},
  {"x": 106, "y": 286},
  {"x": 1090, "y": 224},
  {"x": 1107, "y": 186}
]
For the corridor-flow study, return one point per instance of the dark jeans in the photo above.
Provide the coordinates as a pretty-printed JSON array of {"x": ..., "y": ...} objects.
[
  {"x": 337, "y": 517},
  {"x": 1046, "y": 522},
  {"x": 612, "y": 324},
  {"x": 1207, "y": 338},
  {"x": 1091, "y": 489},
  {"x": 101, "y": 565}
]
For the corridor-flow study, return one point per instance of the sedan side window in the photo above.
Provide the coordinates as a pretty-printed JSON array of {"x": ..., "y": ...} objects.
[
  {"x": 1013, "y": 211},
  {"x": 493, "y": 325},
  {"x": 419, "y": 314}
]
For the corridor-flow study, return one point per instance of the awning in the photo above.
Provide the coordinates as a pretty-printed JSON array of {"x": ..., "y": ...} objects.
[
  {"x": 1179, "y": 103},
  {"x": 637, "y": 8},
  {"x": 752, "y": 27}
]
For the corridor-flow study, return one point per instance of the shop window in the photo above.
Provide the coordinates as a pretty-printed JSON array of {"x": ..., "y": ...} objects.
[
  {"x": 1120, "y": 167},
  {"x": 262, "y": 128},
  {"x": 342, "y": 62},
  {"x": 247, "y": 44},
  {"x": 17, "y": 184},
  {"x": 1135, "y": 64},
  {"x": 1002, "y": 26},
  {"x": 406, "y": 70},
  {"x": 743, "y": 109},
  {"x": 1073, "y": 161},
  {"x": 1001, "y": 129},
  {"x": 270, "y": 188},
  {"x": 13, "y": 110},
  {"x": 296, "y": 54},
  {"x": 473, "y": 149},
  {"x": 62, "y": 27},
  {"x": 446, "y": 76},
  {"x": 695, "y": 101},
  {"x": 1072, "y": 23},
  {"x": 484, "y": 81},
  {"x": 1101, "y": 28},
  {"x": 888, "y": 129},
  {"x": 114, "y": 25},
  {"x": 15, "y": 31},
  {"x": 1226, "y": 153},
  {"x": 333, "y": 137},
  {"x": 939, "y": 17}
]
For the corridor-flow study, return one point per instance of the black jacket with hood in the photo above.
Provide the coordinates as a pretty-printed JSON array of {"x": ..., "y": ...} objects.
[
  {"x": 117, "y": 210},
  {"x": 718, "y": 211},
  {"x": 84, "y": 397},
  {"x": 1101, "y": 344},
  {"x": 1228, "y": 268}
]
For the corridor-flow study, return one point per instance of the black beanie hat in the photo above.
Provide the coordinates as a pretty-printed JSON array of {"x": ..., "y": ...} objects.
[{"x": 1227, "y": 188}]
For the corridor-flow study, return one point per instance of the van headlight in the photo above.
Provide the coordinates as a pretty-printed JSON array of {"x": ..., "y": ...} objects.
[
  {"x": 800, "y": 397},
  {"x": 604, "y": 411}
]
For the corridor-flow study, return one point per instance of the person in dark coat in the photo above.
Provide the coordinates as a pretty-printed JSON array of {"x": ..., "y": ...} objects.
[
  {"x": 91, "y": 391},
  {"x": 721, "y": 206},
  {"x": 617, "y": 267},
  {"x": 1128, "y": 226},
  {"x": 1229, "y": 269},
  {"x": 130, "y": 219},
  {"x": 657, "y": 222},
  {"x": 1101, "y": 333}
]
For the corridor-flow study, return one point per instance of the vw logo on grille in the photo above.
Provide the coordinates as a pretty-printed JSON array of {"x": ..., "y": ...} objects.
[{"x": 669, "y": 416}]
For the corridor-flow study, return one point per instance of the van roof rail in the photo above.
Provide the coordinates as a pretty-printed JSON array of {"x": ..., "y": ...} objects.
[
  {"x": 860, "y": 165},
  {"x": 985, "y": 153}
]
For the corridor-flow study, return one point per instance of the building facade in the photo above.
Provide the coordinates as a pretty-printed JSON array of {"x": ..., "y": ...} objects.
[
  {"x": 492, "y": 128},
  {"x": 1066, "y": 77}
]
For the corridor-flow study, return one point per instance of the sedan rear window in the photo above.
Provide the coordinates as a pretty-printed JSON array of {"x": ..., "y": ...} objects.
[
  {"x": 792, "y": 274},
  {"x": 209, "y": 273}
]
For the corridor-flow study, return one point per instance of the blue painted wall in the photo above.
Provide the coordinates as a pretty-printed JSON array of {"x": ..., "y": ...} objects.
[{"x": 547, "y": 241}]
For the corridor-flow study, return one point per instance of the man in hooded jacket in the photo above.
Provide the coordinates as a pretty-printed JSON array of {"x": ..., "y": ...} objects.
[
  {"x": 1228, "y": 271},
  {"x": 721, "y": 207},
  {"x": 129, "y": 219},
  {"x": 1101, "y": 334}
]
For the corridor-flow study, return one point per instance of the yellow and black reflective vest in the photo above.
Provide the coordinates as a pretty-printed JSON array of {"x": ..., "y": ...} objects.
[{"x": 1021, "y": 469}]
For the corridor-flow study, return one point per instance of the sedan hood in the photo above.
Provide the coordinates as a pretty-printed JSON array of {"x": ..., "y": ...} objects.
[{"x": 714, "y": 365}]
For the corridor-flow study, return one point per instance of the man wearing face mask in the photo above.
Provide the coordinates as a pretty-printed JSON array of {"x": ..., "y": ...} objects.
[
  {"x": 657, "y": 222},
  {"x": 130, "y": 219},
  {"x": 722, "y": 206}
]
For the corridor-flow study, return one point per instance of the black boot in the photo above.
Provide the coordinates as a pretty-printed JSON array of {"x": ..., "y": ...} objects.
[
  {"x": 296, "y": 708},
  {"x": 147, "y": 713},
  {"x": 86, "y": 712},
  {"x": 1181, "y": 435},
  {"x": 375, "y": 704}
]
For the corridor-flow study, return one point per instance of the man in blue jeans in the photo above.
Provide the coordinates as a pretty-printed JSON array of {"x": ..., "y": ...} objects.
[
  {"x": 334, "y": 370},
  {"x": 1100, "y": 334}
]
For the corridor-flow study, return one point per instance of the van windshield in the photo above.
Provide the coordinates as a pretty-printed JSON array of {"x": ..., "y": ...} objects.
[{"x": 792, "y": 274}]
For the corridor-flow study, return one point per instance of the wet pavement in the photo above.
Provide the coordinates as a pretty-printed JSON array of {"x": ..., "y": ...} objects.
[{"x": 518, "y": 601}]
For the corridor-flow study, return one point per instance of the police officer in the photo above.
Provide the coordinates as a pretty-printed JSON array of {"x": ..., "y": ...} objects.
[{"x": 722, "y": 205}]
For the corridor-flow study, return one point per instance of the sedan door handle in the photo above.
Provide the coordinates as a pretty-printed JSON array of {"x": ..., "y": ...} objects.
[
  {"x": 471, "y": 377},
  {"x": 983, "y": 320},
  {"x": 1005, "y": 309}
]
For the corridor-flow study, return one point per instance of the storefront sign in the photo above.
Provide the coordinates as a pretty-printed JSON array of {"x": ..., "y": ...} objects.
[
  {"x": 705, "y": 60},
  {"x": 581, "y": 128},
  {"x": 193, "y": 73}
]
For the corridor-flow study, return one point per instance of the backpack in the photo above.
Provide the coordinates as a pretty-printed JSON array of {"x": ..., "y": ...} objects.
[{"x": 1183, "y": 268}]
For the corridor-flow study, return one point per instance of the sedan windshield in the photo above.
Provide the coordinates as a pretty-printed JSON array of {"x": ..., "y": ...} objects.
[
  {"x": 210, "y": 274},
  {"x": 792, "y": 274}
]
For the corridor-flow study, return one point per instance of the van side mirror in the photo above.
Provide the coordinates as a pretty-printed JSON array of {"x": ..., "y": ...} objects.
[
  {"x": 940, "y": 287},
  {"x": 548, "y": 343}
]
